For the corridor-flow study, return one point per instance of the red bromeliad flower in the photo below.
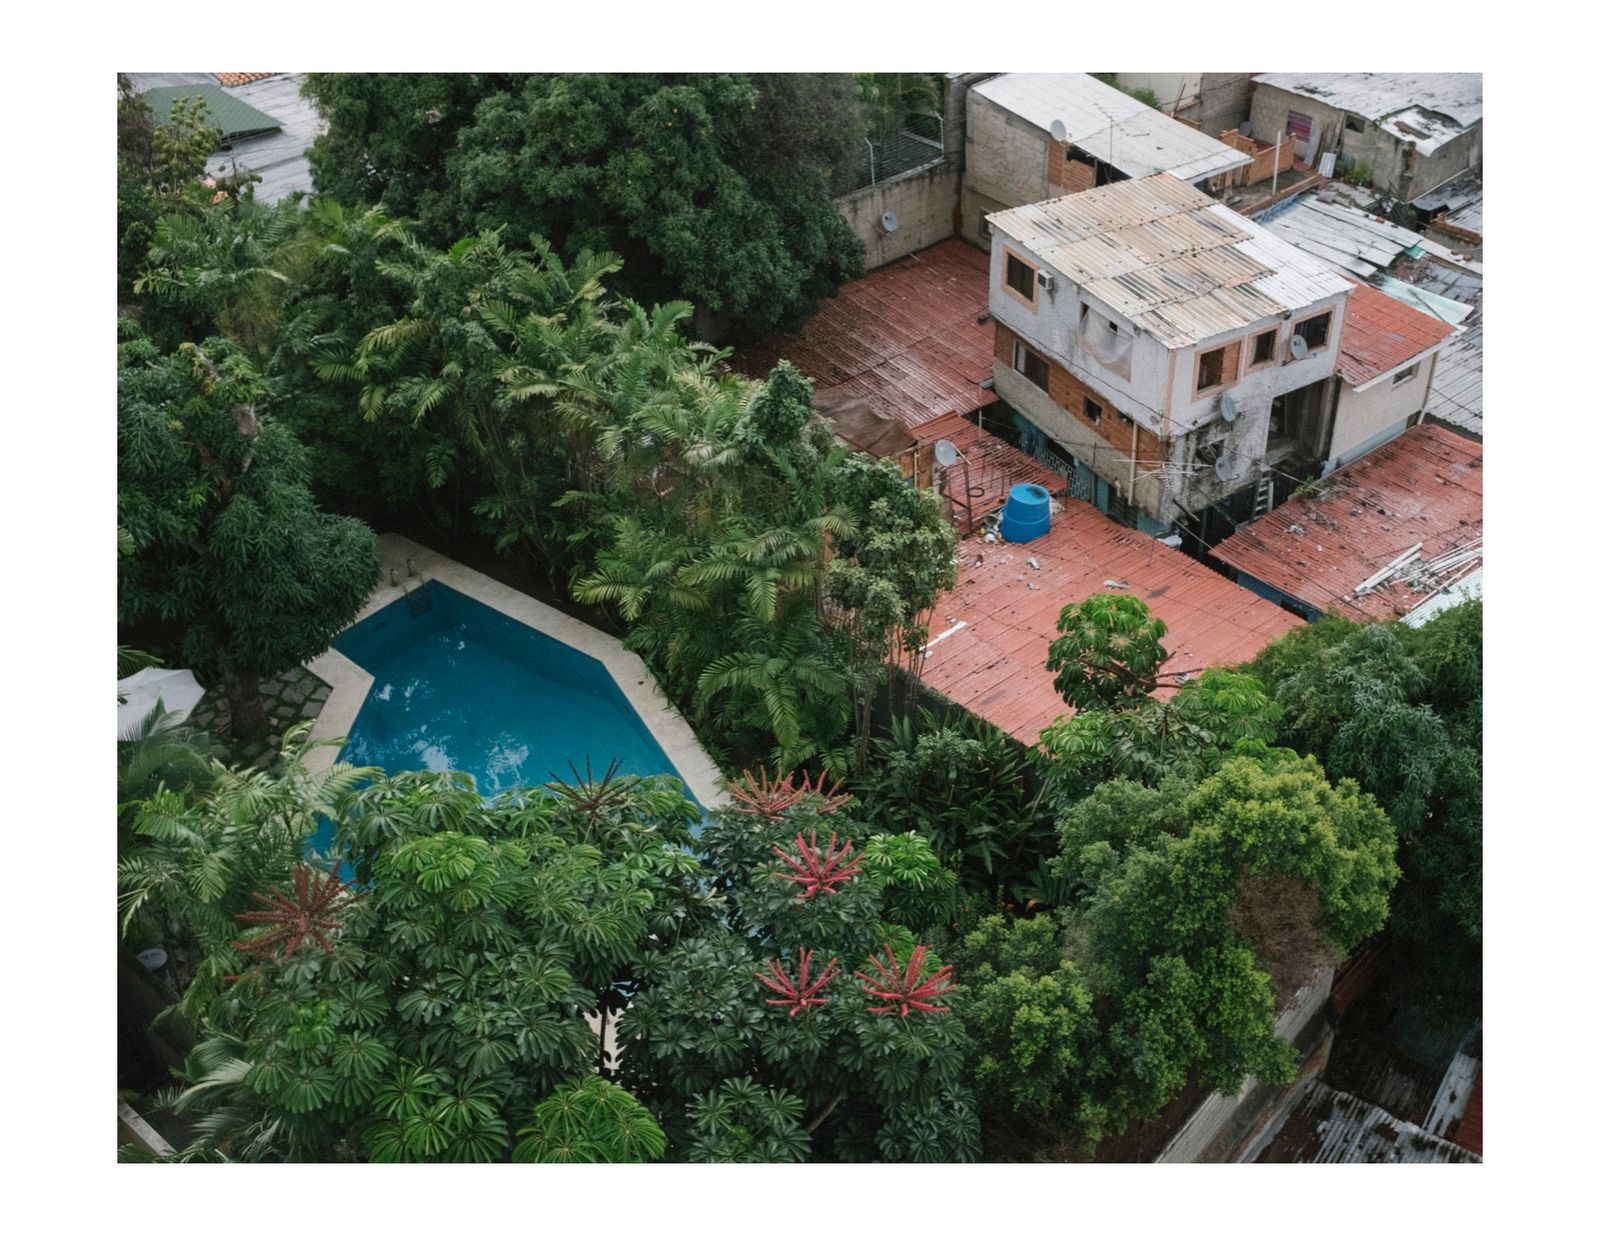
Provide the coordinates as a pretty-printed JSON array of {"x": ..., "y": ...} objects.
[
  {"x": 818, "y": 873},
  {"x": 904, "y": 993},
  {"x": 318, "y": 898},
  {"x": 771, "y": 798},
  {"x": 801, "y": 992}
]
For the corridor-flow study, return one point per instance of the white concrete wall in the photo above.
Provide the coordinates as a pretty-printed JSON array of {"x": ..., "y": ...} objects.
[
  {"x": 1254, "y": 390},
  {"x": 1170, "y": 89},
  {"x": 924, "y": 201},
  {"x": 1052, "y": 327},
  {"x": 1007, "y": 163},
  {"x": 1367, "y": 419}
]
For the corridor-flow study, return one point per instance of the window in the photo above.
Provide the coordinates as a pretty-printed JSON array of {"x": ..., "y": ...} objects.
[
  {"x": 1354, "y": 124},
  {"x": 1210, "y": 370},
  {"x": 984, "y": 230},
  {"x": 1299, "y": 127},
  {"x": 1091, "y": 409},
  {"x": 1031, "y": 365},
  {"x": 1019, "y": 277},
  {"x": 1266, "y": 344},
  {"x": 1406, "y": 374},
  {"x": 1125, "y": 418},
  {"x": 1315, "y": 330}
]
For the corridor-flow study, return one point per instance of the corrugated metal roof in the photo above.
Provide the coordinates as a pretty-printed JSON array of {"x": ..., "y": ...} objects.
[
  {"x": 1377, "y": 96},
  {"x": 1329, "y": 1126},
  {"x": 994, "y": 664},
  {"x": 1453, "y": 312},
  {"x": 1456, "y": 397},
  {"x": 241, "y": 79},
  {"x": 905, "y": 339},
  {"x": 1468, "y": 589},
  {"x": 1352, "y": 240},
  {"x": 1166, "y": 256},
  {"x": 1424, "y": 488},
  {"x": 1381, "y": 333},
  {"x": 1111, "y": 126},
  {"x": 234, "y": 116}
]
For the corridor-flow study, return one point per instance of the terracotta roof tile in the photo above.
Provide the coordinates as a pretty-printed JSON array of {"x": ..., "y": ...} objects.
[
  {"x": 1381, "y": 333},
  {"x": 241, "y": 79},
  {"x": 1424, "y": 487}
]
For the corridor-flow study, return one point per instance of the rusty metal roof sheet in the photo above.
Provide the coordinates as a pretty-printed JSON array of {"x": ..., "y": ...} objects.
[
  {"x": 1111, "y": 126},
  {"x": 1329, "y": 1126},
  {"x": 1169, "y": 258},
  {"x": 991, "y": 633},
  {"x": 1423, "y": 489},
  {"x": 1381, "y": 333},
  {"x": 905, "y": 339}
]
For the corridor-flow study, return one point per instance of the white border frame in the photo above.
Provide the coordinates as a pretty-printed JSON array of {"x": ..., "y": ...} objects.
[{"x": 350, "y": 683}]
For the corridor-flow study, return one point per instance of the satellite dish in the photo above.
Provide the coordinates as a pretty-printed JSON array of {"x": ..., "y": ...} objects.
[
  {"x": 1244, "y": 128},
  {"x": 1227, "y": 468},
  {"x": 890, "y": 221},
  {"x": 944, "y": 451},
  {"x": 1298, "y": 347},
  {"x": 1058, "y": 130},
  {"x": 1228, "y": 407}
]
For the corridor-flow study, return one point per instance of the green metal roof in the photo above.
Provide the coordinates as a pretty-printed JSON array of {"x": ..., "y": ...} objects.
[{"x": 233, "y": 116}]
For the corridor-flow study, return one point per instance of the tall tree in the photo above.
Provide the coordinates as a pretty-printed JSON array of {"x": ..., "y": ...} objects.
[
  {"x": 713, "y": 188},
  {"x": 230, "y": 552}
]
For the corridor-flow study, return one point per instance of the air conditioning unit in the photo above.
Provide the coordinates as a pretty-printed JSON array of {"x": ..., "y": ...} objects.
[{"x": 1047, "y": 281}]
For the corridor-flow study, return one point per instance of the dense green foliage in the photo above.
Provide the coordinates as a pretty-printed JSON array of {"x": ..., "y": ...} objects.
[
  {"x": 228, "y": 548},
  {"x": 1109, "y": 654},
  {"x": 1400, "y": 709},
  {"x": 714, "y": 188}
]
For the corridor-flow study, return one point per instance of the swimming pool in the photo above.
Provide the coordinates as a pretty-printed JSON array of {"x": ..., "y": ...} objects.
[{"x": 458, "y": 686}]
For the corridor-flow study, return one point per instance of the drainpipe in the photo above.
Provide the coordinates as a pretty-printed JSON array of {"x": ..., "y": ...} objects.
[
  {"x": 1277, "y": 157},
  {"x": 1133, "y": 464}
]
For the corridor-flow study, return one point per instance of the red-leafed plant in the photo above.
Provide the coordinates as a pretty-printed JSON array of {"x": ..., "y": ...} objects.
[
  {"x": 815, "y": 872},
  {"x": 756, "y": 794},
  {"x": 906, "y": 992},
  {"x": 800, "y": 992},
  {"x": 318, "y": 899}
]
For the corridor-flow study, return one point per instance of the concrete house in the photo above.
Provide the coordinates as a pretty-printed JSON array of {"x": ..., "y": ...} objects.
[
  {"x": 1412, "y": 131},
  {"x": 1175, "y": 354},
  {"x": 1012, "y": 158}
]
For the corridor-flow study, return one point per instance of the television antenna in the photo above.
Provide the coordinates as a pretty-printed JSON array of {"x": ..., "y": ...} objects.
[{"x": 946, "y": 454}]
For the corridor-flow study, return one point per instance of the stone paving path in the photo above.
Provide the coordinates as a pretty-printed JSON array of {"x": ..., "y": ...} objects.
[{"x": 291, "y": 697}]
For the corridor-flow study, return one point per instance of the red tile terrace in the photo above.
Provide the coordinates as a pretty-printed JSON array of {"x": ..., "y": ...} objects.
[
  {"x": 1423, "y": 489},
  {"x": 903, "y": 344}
]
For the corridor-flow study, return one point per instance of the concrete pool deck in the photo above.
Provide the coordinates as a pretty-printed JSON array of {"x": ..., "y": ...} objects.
[{"x": 350, "y": 683}]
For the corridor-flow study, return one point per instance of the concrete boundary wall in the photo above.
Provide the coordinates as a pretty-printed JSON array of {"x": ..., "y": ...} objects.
[
  {"x": 1222, "y": 1121},
  {"x": 351, "y": 683},
  {"x": 924, "y": 200}
]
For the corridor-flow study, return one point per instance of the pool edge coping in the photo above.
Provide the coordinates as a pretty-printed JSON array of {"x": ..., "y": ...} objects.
[{"x": 349, "y": 684}]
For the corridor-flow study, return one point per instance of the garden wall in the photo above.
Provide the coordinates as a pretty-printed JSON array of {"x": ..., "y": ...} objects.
[{"x": 923, "y": 199}]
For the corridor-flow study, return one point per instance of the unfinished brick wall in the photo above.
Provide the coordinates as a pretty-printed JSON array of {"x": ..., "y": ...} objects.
[
  {"x": 1067, "y": 175},
  {"x": 1068, "y": 393},
  {"x": 1260, "y": 165}
]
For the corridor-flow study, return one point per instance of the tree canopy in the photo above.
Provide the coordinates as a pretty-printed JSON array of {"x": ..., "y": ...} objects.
[{"x": 713, "y": 188}]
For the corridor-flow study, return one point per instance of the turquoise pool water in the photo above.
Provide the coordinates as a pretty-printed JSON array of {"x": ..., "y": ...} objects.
[{"x": 460, "y": 686}]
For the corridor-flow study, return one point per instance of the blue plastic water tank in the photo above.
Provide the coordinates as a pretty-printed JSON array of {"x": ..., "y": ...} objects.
[{"x": 1026, "y": 514}]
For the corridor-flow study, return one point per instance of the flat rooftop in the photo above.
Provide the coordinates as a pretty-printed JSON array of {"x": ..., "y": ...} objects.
[
  {"x": 989, "y": 635},
  {"x": 1111, "y": 126},
  {"x": 1170, "y": 259},
  {"x": 904, "y": 338},
  {"x": 1423, "y": 489}
]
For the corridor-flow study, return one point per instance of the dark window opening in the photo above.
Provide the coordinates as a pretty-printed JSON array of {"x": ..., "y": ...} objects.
[
  {"x": 1265, "y": 342},
  {"x": 1019, "y": 276},
  {"x": 1125, "y": 418},
  {"x": 1315, "y": 330},
  {"x": 1091, "y": 409},
  {"x": 1355, "y": 124},
  {"x": 1032, "y": 366},
  {"x": 1211, "y": 369}
]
